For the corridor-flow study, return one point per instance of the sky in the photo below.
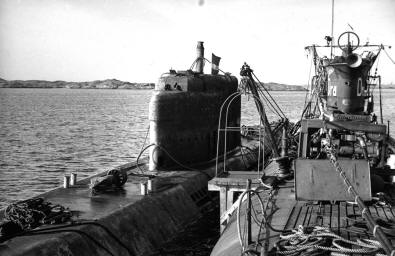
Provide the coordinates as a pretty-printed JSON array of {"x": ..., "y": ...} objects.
[{"x": 138, "y": 40}]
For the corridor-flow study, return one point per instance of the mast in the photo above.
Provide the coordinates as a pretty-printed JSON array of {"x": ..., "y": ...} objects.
[
  {"x": 333, "y": 20},
  {"x": 246, "y": 71}
]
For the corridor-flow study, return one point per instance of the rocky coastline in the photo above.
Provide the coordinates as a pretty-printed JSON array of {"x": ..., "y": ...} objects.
[{"x": 97, "y": 84}]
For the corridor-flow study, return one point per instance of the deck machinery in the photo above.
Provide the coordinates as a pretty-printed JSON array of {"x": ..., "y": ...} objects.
[{"x": 339, "y": 112}]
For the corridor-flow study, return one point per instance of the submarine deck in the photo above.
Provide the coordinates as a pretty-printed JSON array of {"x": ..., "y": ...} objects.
[{"x": 121, "y": 222}]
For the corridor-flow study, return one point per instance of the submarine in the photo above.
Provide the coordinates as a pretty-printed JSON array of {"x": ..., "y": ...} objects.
[{"x": 136, "y": 208}]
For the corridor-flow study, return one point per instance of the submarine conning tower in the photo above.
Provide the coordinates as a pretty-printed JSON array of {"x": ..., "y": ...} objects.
[
  {"x": 348, "y": 90},
  {"x": 184, "y": 114},
  {"x": 339, "y": 126}
]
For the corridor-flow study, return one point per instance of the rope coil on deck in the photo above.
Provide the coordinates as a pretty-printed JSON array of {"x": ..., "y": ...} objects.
[{"x": 319, "y": 239}]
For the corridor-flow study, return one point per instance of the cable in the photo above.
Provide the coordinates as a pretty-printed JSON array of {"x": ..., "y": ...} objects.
[
  {"x": 195, "y": 61},
  {"x": 393, "y": 62},
  {"x": 241, "y": 238},
  {"x": 269, "y": 95},
  {"x": 172, "y": 158}
]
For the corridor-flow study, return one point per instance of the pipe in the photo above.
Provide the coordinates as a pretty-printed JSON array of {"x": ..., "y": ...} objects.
[
  {"x": 199, "y": 58},
  {"x": 362, "y": 142},
  {"x": 249, "y": 233}
]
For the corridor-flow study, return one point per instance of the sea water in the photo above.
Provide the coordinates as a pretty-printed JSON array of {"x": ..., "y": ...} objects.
[{"x": 47, "y": 133}]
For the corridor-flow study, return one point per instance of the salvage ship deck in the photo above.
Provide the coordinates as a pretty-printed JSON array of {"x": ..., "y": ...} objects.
[{"x": 271, "y": 229}]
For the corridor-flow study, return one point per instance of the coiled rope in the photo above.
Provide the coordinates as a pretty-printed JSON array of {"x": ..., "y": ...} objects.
[{"x": 321, "y": 238}]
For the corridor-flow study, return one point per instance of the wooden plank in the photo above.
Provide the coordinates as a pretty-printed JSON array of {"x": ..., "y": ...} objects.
[
  {"x": 299, "y": 216},
  {"x": 292, "y": 217},
  {"x": 312, "y": 220},
  {"x": 386, "y": 212},
  {"x": 308, "y": 215},
  {"x": 223, "y": 193},
  {"x": 351, "y": 211},
  {"x": 335, "y": 218},
  {"x": 281, "y": 218},
  {"x": 213, "y": 187},
  {"x": 229, "y": 199},
  {"x": 381, "y": 212},
  {"x": 343, "y": 220},
  {"x": 320, "y": 212},
  {"x": 326, "y": 217}
]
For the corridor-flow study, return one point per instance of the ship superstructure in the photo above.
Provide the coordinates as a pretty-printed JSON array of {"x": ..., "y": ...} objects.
[
  {"x": 340, "y": 113},
  {"x": 340, "y": 199}
]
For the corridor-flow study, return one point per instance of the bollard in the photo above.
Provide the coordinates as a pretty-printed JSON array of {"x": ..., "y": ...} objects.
[
  {"x": 143, "y": 189},
  {"x": 66, "y": 181},
  {"x": 150, "y": 186},
  {"x": 73, "y": 179}
]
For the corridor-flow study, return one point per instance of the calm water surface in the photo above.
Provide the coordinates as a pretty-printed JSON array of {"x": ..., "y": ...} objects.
[{"x": 46, "y": 133}]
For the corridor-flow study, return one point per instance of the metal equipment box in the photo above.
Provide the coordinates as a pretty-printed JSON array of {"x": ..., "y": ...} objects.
[{"x": 318, "y": 180}]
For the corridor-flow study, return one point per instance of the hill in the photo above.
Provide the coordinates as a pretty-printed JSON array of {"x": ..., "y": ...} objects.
[
  {"x": 113, "y": 84},
  {"x": 97, "y": 84},
  {"x": 283, "y": 87}
]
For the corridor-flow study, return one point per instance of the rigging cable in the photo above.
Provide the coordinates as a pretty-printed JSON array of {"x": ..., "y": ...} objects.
[
  {"x": 393, "y": 62},
  {"x": 275, "y": 103},
  {"x": 267, "y": 103},
  {"x": 309, "y": 84},
  {"x": 172, "y": 158}
]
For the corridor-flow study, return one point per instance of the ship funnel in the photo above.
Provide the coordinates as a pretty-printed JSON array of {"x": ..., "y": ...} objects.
[
  {"x": 199, "y": 58},
  {"x": 354, "y": 60}
]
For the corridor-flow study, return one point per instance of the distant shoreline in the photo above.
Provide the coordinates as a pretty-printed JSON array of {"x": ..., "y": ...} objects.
[
  {"x": 113, "y": 84},
  {"x": 117, "y": 84},
  {"x": 97, "y": 84}
]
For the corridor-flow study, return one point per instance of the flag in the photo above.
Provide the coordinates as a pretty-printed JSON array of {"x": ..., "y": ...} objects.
[{"x": 215, "y": 64}]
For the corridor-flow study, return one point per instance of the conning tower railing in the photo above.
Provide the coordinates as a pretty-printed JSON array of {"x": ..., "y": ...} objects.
[{"x": 261, "y": 147}]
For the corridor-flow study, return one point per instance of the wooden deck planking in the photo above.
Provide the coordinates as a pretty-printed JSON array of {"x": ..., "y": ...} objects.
[
  {"x": 313, "y": 218},
  {"x": 344, "y": 221},
  {"x": 335, "y": 218}
]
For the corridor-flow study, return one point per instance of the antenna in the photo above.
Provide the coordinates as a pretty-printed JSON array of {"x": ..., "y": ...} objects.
[{"x": 333, "y": 20}]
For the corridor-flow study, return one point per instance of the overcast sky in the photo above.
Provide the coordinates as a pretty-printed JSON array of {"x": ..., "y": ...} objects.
[{"x": 137, "y": 40}]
